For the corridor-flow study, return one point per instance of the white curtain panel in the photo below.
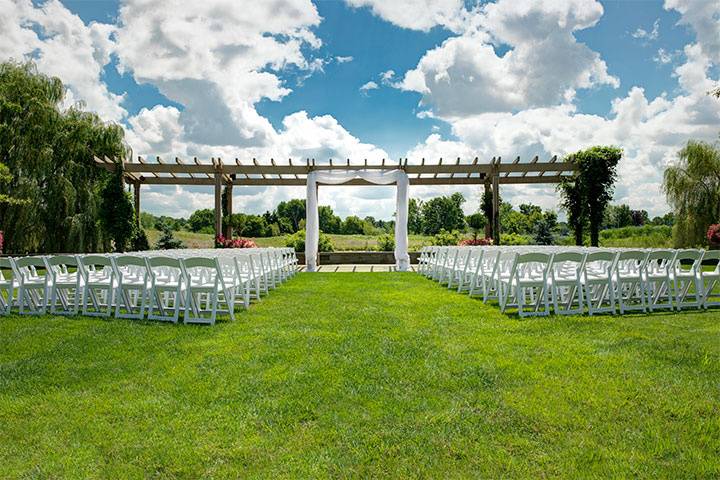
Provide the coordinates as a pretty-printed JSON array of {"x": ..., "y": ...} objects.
[{"x": 338, "y": 177}]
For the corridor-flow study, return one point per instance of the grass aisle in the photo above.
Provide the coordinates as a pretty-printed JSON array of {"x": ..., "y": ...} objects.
[{"x": 362, "y": 375}]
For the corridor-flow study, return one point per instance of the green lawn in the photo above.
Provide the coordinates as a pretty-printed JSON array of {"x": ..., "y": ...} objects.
[{"x": 362, "y": 375}]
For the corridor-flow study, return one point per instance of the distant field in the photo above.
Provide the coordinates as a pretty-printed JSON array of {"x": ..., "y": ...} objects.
[
  {"x": 628, "y": 237},
  {"x": 340, "y": 242}
]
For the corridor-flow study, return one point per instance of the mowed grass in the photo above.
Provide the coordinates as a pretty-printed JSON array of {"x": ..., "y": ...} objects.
[{"x": 362, "y": 375}]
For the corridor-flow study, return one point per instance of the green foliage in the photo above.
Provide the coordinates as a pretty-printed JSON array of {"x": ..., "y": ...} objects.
[
  {"x": 544, "y": 228},
  {"x": 297, "y": 242},
  {"x": 514, "y": 239},
  {"x": 443, "y": 237},
  {"x": 587, "y": 197},
  {"x": 476, "y": 222},
  {"x": 139, "y": 242},
  {"x": 167, "y": 241},
  {"x": 353, "y": 225},
  {"x": 415, "y": 220},
  {"x": 290, "y": 214},
  {"x": 5, "y": 198},
  {"x": 647, "y": 236},
  {"x": 49, "y": 151},
  {"x": 386, "y": 243},
  {"x": 328, "y": 221},
  {"x": 117, "y": 212},
  {"x": 202, "y": 221},
  {"x": 443, "y": 213},
  {"x": 692, "y": 187}
]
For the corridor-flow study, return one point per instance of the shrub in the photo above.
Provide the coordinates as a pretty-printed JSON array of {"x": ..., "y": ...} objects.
[
  {"x": 443, "y": 237},
  {"x": 222, "y": 242},
  {"x": 713, "y": 234},
  {"x": 167, "y": 241},
  {"x": 139, "y": 242},
  {"x": 514, "y": 239},
  {"x": 386, "y": 243},
  {"x": 468, "y": 242},
  {"x": 297, "y": 241}
]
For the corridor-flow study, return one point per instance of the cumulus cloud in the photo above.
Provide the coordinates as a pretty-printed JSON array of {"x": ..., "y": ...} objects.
[
  {"x": 61, "y": 45},
  {"x": 420, "y": 15},
  {"x": 341, "y": 59},
  {"x": 544, "y": 65},
  {"x": 703, "y": 17}
]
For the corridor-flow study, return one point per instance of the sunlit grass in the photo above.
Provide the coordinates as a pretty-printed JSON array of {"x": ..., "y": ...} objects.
[{"x": 362, "y": 375}]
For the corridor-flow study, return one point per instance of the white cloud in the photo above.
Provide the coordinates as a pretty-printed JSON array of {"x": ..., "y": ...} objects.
[
  {"x": 341, "y": 59},
  {"x": 663, "y": 57},
  {"x": 703, "y": 16},
  {"x": 417, "y": 14},
  {"x": 544, "y": 66},
  {"x": 63, "y": 46},
  {"x": 218, "y": 59},
  {"x": 364, "y": 88},
  {"x": 643, "y": 34}
]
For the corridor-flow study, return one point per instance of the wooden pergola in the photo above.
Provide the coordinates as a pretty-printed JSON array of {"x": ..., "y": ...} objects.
[{"x": 219, "y": 174}]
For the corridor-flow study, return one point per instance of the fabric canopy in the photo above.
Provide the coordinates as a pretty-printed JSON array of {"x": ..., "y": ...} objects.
[{"x": 338, "y": 177}]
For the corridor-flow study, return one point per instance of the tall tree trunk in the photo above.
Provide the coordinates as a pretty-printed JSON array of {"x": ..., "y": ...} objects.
[{"x": 579, "y": 234}]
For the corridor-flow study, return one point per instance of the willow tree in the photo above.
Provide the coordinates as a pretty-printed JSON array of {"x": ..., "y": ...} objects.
[
  {"x": 588, "y": 193},
  {"x": 692, "y": 187},
  {"x": 49, "y": 150}
]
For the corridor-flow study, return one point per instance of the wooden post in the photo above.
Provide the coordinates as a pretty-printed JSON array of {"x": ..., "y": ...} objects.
[
  {"x": 228, "y": 209},
  {"x": 136, "y": 197},
  {"x": 496, "y": 206},
  {"x": 218, "y": 204},
  {"x": 489, "y": 224}
]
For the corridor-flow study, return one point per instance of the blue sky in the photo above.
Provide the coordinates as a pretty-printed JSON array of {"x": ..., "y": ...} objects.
[{"x": 492, "y": 78}]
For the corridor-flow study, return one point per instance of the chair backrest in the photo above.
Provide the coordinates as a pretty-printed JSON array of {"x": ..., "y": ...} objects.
[
  {"x": 7, "y": 269},
  {"x": 130, "y": 261},
  {"x": 712, "y": 257},
  {"x": 58, "y": 260},
  {"x": 154, "y": 262}
]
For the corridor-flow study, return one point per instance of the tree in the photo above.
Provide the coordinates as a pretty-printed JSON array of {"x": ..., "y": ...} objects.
[
  {"x": 291, "y": 213},
  {"x": 543, "y": 234},
  {"x": 117, "y": 212},
  {"x": 692, "y": 187},
  {"x": 48, "y": 150},
  {"x": 443, "y": 213},
  {"x": 167, "y": 241},
  {"x": 587, "y": 195},
  {"x": 639, "y": 217},
  {"x": 254, "y": 226},
  {"x": 328, "y": 221},
  {"x": 202, "y": 220},
  {"x": 353, "y": 225},
  {"x": 476, "y": 222},
  {"x": 415, "y": 221}
]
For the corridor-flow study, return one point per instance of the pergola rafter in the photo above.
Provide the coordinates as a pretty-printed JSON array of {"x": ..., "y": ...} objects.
[{"x": 218, "y": 174}]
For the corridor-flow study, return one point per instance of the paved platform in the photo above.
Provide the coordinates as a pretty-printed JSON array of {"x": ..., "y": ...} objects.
[{"x": 356, "y": 268}]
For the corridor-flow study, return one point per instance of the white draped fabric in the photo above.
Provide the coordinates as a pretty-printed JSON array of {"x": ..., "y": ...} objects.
[{"x": 338, "y": 177}]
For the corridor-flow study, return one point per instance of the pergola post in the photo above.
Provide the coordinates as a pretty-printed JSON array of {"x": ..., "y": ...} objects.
[
  {"x": 489, "y": 224},
  {"x": 496, "y": 204},
  {"x": 228, "y": 209},
  {"x": 136, "y": 198},
  {"x": 218, "y": 204}
]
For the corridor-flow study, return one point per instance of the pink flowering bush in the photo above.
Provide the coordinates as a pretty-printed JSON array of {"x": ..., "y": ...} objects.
[
  {"x": 222, "y": 242},
  {"x": 2, "y": 241},
  {"x": 713, "y": 234},
  {"x": 468, "y": 242}
]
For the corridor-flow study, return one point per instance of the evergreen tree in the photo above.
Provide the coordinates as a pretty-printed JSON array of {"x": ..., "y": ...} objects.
[{"x": 167, "y": 241}]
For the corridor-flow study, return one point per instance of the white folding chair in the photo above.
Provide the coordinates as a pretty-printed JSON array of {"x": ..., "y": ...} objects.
[
  {"x": 167, "y": 288},
  {"x": 8, "y": 285},
  {"x": 133, "y": 286},
  {"x": 710, "y": 279},
  {"x": 64, "y": 284},
  {"x": 566, "y": 283},
  {"x": 205, "y": 290},
  {"x": 598, "y": 282},
  {"x": 686, "y": 279},
  {"x": 98, "y": 280},
  {"x": 659, "y": 285},
  {"x": 33, "y": 285},
  {"x": 530, "y": 281},
  {"x": 629, "y": 281}
]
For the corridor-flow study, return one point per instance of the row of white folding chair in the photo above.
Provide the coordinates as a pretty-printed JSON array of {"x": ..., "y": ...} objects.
[
  {"x": 601, "y": 277},
  {"x": 93, "y": 281}
]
